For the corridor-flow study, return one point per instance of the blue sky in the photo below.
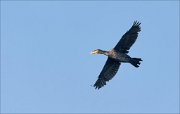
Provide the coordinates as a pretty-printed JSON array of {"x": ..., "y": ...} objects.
[{"x": 46, "y": 65}]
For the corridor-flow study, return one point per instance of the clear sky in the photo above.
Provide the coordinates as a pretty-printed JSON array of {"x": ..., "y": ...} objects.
[{"x": 46, "y": 65}]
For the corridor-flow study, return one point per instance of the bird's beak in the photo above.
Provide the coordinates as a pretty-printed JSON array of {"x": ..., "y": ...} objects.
[{"x": 94, "y": 52}]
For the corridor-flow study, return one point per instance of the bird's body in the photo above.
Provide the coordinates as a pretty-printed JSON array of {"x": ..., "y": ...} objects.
[
  {"x": 118, "y": 55},
  {"x": 121, "y": 57}
]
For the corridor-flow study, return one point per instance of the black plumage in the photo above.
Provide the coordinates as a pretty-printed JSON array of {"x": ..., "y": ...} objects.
[{"x": 118, "y": 55}]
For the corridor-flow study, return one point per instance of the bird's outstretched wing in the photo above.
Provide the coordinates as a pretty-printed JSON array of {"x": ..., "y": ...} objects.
[
  {"x": 108, "y": 72},
  {"x": 128, "y": 38}
]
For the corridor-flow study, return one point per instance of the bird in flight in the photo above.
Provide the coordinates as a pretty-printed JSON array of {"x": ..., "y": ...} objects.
[{"x": 118, "y": 55}]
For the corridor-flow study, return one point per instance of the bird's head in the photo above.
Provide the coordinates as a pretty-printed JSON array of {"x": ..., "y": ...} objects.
[{"x": 97, "y": 51}]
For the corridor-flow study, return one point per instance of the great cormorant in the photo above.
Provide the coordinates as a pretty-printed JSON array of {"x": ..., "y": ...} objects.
[{"x": 118, "y": 55}]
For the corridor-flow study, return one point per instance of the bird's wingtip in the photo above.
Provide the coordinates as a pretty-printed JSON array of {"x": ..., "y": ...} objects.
[
  {"x": 136, "y": 23},
  {"x": 99, "y": 83}
]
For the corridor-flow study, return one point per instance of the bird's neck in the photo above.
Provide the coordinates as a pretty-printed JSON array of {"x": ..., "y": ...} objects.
[{"x": 104, "y": 52}]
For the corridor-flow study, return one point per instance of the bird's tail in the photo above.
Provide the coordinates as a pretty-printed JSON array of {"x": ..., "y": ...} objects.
[{"x": 135, "y": 61}]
